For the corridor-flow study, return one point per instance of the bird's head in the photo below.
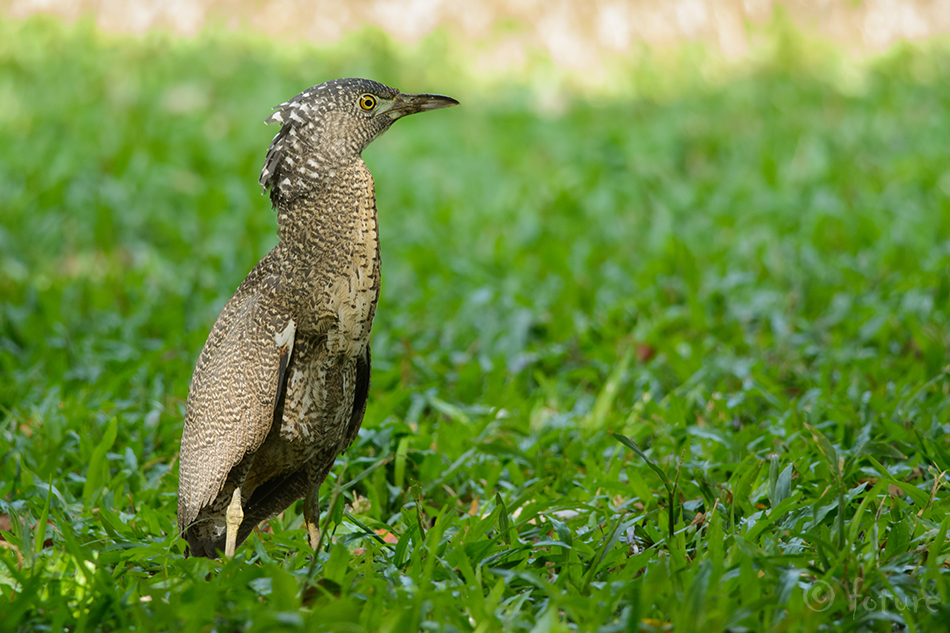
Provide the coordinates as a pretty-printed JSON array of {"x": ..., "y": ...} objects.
[{"x": 328, "y": 126}]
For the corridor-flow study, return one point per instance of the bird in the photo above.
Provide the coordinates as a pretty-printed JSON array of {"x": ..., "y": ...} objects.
[{"x": 281, "y": 384}]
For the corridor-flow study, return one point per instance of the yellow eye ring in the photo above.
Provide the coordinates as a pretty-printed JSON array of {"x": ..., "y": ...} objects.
[{"x": 367, "y": 102}]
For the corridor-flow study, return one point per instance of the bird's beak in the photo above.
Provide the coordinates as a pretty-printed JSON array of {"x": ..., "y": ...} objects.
[{"x": 405, "y": 104}]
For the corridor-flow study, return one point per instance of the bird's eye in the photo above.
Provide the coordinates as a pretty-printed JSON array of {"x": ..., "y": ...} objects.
[{"x": 367, "y": 102}]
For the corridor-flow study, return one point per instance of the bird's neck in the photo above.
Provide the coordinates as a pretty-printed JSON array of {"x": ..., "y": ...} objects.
[
  {"x": 330, "y": 243},
  {"x": 328, "y": 203},
  {"x": 333, "y": 219}
]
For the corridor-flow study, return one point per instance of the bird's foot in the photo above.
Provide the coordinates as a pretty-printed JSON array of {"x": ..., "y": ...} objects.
[
  {"x": 311, "y": 516},
  {"x": 234, "y": 517},
  {"x": 313, "y": 535}
]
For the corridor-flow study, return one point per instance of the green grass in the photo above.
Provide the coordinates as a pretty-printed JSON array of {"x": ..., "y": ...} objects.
[{"x": 672, "y": 358}]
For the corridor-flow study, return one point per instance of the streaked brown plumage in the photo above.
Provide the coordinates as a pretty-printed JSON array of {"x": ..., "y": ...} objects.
[{"x": 281, "y": 384}]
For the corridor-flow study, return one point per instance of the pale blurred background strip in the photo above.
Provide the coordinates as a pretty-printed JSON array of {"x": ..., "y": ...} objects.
[{"x": 575, "y": 33}]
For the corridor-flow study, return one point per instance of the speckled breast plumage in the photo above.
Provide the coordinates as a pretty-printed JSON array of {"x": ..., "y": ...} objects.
[{"x": 310, "y": 431}]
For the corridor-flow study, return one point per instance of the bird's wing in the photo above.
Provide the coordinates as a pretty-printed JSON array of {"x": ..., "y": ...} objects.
[
  {"x": 237, "y": 384},
  {"x": 359, "y": 398}
]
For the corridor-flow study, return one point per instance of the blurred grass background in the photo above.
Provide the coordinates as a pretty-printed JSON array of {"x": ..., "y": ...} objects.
[{"x": 742, "y": 263}]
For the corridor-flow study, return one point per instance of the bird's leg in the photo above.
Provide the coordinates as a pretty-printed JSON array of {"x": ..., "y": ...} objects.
[
  {"x": 235, "y": 515},
  {"x": 311, "y": 515}
]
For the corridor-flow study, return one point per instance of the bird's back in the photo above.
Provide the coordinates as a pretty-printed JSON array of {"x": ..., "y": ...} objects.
[{"x": 234, "y": 390}]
